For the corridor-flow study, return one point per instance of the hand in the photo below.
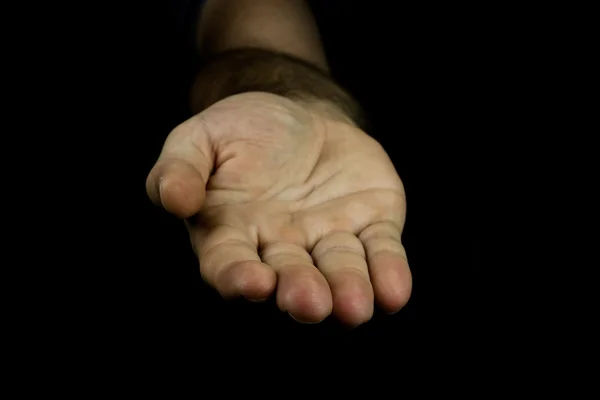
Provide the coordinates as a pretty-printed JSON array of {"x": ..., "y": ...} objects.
[{"x": 278, "y": 196}]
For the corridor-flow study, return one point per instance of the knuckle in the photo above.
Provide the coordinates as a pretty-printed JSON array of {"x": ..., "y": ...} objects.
[
  {"x": 384, "y": 229},
  {"x": 282, "y": 254},
  {"x": 338, "y": 242}
]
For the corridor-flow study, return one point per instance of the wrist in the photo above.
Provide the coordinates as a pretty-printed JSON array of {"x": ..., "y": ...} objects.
[{"x": 255, "y": 70}]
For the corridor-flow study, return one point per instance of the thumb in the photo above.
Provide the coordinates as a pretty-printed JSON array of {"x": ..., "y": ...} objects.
[{"x": 177, "y": 181}]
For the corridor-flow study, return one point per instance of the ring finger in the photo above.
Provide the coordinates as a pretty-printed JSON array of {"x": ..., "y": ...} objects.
[{"x": 340, "y": 257}]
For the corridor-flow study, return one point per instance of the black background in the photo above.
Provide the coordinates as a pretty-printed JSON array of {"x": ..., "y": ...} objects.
[{"x": 421, "y": 73}]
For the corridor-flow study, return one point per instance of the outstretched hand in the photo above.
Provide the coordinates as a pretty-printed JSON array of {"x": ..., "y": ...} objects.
[{"x": 279, "y": 197}]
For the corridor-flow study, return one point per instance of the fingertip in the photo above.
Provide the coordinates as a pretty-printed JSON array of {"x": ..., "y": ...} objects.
[
  {"x": 152, "y": 188},
  {"x": 180, "y": 197},
  {"x": 352, "y": 299},
  {"x": 304, "y": 295},
  {"x": 392, "y": 282},
  {"x": 251, "y": 279},
  {"x": 176, "y": 187}
]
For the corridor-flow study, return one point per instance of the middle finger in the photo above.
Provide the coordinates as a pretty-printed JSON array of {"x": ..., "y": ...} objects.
[{"x": 302, "y": 290}]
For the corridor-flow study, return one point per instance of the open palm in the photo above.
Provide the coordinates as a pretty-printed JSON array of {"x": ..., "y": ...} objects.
[{"x": 280, "y": 197}]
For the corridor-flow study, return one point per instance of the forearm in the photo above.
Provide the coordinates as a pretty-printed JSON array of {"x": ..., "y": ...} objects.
[
  {"x": 280, "y": 26},
  {"x": 282, "y": 56}
]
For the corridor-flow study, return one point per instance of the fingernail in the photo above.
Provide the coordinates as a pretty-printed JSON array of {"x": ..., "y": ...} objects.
[
  {"x": 160, "y": 183},
  {"x": 302, "y": 322},
  {"x": 257, "y": 300}
]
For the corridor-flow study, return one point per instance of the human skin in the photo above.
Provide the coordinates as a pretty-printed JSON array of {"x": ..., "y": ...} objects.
[{"x": 284, "y": 195}]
